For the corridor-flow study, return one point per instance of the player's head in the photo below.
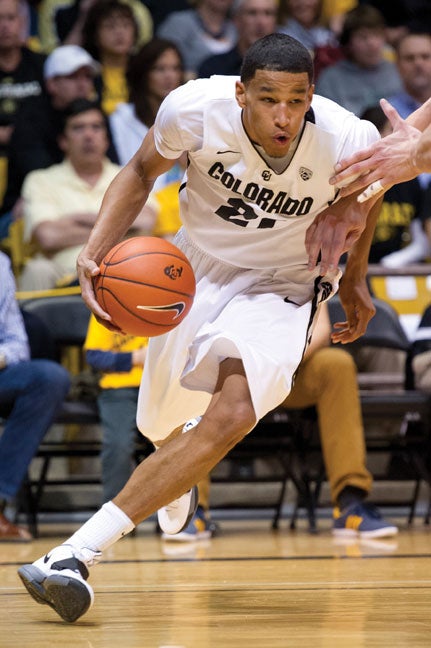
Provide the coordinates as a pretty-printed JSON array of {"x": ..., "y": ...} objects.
[
  {"x": 277, "y": 53},
  {"x": 275, "y": 92}
]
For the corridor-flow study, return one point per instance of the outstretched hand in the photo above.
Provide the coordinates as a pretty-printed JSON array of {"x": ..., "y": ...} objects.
[
  {"x": 332, "y": 233},
  {"x": 359, "y": 309},
  {"x": 386, "y": 162}
]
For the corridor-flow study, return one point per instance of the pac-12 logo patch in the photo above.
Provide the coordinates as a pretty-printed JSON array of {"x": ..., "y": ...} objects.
[{"x": 305, "y": 173}]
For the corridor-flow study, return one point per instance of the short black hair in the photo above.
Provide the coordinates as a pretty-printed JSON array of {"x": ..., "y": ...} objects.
[
  {"x": 278, "y": 53},
  {"x": 78, "y": 106}
]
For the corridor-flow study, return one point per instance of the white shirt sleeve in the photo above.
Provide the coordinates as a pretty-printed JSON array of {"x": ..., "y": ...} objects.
[{"x": 179, "y": 122}]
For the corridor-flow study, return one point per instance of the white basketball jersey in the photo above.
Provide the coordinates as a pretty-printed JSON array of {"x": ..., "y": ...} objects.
[{"x": 233, "y": 205}]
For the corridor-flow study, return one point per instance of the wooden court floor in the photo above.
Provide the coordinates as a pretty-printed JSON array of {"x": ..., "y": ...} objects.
[{"x": 249, "y": 586}]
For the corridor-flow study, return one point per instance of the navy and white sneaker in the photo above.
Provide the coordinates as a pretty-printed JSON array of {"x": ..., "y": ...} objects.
[
  {"x": 200, "y": 527},
  {"x": 59, "y": 579},
  {"x": 363, "y": 521},
  {"x": 175, "y": 517}
]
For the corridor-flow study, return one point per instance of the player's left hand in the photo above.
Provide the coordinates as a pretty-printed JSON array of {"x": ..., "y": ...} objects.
[
  {"x": 334, "y": 231},
  {"x": 359, "y": 308}
]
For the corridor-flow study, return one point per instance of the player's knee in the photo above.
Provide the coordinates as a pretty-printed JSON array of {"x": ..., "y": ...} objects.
[{"x": 233, "y": 421}]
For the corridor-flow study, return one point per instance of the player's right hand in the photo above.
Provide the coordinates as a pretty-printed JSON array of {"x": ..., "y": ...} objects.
[{"x": 88, "y": 269}]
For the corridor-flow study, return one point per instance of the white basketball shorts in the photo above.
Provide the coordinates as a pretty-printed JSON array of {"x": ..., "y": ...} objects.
[{"x": 263, "y": 317}]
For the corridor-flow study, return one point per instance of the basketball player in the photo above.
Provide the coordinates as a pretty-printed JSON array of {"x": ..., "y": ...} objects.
[
  {"x": 260, "y": 151},
  {"x": 398, "y": 157}
]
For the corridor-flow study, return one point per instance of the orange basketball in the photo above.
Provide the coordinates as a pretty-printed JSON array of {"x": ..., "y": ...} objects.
[{"x": 147, "y": 286}]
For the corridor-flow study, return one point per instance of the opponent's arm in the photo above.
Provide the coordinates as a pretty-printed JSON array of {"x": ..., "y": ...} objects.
[
  {"x": 398, "y": 157},
  {"x": 122, "y": 202},
  {"x": 333, "y": 232},
  {"x": 346, "y": 226},
  {"x": 354, "y": 294}
]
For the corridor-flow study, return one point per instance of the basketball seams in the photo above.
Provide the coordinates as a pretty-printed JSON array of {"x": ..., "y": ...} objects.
[
  {"x": 109, "y": 263},
  {"x": 147, "y": 285}
]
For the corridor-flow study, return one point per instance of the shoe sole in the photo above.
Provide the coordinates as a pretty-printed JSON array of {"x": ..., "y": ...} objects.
[
  {"x": 187, "y": 537},
  {"x": 386, "y": 532},
  {"x": 66, "y": 595},
  {"x": 194, "y": 500}
]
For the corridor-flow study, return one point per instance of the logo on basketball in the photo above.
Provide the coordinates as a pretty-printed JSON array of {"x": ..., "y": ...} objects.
[
  {"x": 178, "y": 308},
  {"x": 173, "y": 272}
]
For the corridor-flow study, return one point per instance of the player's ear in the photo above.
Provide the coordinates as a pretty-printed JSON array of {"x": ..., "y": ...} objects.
[
  {"x": 240, "y": 94},
  {"x": 310, "y": 93}
]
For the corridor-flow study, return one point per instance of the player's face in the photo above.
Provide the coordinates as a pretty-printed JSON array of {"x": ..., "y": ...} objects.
[{"x": 274, "y": 105}]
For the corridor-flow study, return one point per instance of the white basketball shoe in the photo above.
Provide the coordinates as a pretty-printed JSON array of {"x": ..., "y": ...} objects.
[
  {"x": 58, "y": 579},
  {"x": 176, "y": 516}
]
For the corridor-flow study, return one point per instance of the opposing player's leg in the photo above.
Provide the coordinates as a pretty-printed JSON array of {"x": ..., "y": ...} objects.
[{"x": 59, "y": 579}]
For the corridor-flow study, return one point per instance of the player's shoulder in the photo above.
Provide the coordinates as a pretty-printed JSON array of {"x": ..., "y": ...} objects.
[
  {"x": 332, "y": 117},
  {"x": 202, "y": 91},
  {"x": 329, "y": 114}
]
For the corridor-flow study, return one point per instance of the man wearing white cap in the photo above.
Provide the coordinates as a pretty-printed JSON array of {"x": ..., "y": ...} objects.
[{"x": 69, "y": 73}]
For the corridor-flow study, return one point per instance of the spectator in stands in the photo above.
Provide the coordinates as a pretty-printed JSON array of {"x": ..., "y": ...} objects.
[
  {"x": 119, "y": 358},
  {"x": 61, "y": 202},
  {"x": 110, "y": 35},
  {"x": 253, "y": 19},
  {"x": 21, "y": 76},
  {"x": 154, "y": 71},
  {"x": 60, "y": 22},
  {"x": 30, "y": 393},
  {"x": 364, "y": 76},
  {"x": 69, "y": 74},
  {"x": 327, "y": 379},
  {"x": 414, "y": 65},
  {"x": 71, "y": 19},
  {"x": 303, "y": 21},
  {"x": 399, "y": 236},
  {"x": 200, "y": 32}
]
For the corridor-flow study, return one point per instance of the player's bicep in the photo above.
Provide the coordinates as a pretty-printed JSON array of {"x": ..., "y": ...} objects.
[{"x": 147, "y": 162}]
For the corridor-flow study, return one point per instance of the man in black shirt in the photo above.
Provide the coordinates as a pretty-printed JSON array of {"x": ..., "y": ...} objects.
[
  {"x": 21, "y": 76},
  {"x": 69, "y": 73}
]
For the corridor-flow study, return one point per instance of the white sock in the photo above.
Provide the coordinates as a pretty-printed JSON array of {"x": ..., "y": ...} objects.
[{"x": 102, "y": 530}]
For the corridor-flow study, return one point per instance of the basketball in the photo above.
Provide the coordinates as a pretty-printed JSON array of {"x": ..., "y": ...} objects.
[{"x": 147, "y": 286}]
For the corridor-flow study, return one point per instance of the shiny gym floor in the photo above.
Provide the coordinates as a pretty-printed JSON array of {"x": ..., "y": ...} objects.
[{"x": 248, "y": 586}]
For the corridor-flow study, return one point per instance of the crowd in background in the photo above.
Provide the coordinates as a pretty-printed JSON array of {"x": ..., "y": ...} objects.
[
  {"x": 81, "y": 82},
  {"x": 129, "y": 54}
]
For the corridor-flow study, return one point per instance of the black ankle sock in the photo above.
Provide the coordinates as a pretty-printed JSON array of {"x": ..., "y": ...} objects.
[{"x": 350, "y": 495}]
